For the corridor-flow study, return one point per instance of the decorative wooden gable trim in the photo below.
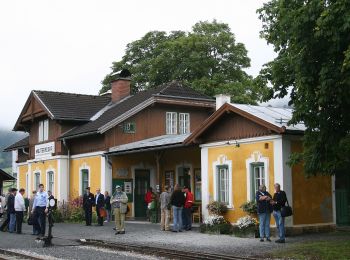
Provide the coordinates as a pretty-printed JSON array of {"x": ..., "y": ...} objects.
[
  {"x": 229, "y": 123},
  {"x": 32, "y": 109}
]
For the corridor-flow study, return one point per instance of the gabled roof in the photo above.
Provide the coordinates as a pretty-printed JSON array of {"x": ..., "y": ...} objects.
[
  {"x": 273, "y": 118},
  {"x": 23, "y": 143},
  {"x": 5, "y": 176},
  {"x": 69, "y": 106},
  {"x": 118, "y": 112},
  {"x": 65, "y": 106}
]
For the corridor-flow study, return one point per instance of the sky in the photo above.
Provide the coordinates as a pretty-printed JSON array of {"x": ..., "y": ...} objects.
[{"x": 69, "y": 46}]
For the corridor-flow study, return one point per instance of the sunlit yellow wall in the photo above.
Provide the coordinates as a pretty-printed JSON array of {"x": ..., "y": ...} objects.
[
  {"x": 22, "y": 173},
  {"x": 238, "y": 156},
  {"x": 43, "y": 167},
  {"x": 312, "y": 197},
  {"x": 94, "y": 163}
]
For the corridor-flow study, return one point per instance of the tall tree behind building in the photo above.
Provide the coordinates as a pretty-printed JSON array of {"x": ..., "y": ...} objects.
[
  {"x": 312, "y": 39},
  {"x": 207, "y": 59}
]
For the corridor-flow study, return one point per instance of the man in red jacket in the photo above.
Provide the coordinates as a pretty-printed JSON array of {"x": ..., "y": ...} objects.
[{"x": 187, "y": 210}]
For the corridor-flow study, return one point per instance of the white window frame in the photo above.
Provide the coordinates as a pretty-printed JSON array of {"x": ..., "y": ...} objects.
[
  {"x": 223, "y": 161},
  {"x": 84, "y": 167},
  {"x": 184, "y": 123},
  {"x": 254, "y": 178},
  {"x": 48, "y": 172},
  {"x": 256, "y": 157},
  {"x": 35, "y": 184},
  {"x": 171, "y": 123},
  {"x": 43, "y": 131}
]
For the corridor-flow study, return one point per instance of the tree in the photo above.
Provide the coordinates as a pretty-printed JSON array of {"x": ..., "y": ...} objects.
[
  {"x": 207, "y": 59},
  {"x": 312, "y": 39}
]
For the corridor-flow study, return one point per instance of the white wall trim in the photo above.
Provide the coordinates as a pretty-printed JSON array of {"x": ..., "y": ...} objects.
[
  {"x": 50, "y": 169},
  {"x": 256, "y": 157},
  {"x": 205, "y": 186},
  {"x": 242, "y": 141},
  {"x": 84, "y": 166},
  {"x": 222, "y": 160},
  {"x": 33, "y": 176},
  {"x": 29, "y": 172},
  {"x": 87, "y": 155},
  {"x": 46, "y": 159},
  {"x": 58, "y": 177}
]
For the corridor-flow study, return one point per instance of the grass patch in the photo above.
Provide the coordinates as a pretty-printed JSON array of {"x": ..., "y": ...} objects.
[{"x": 320, "y": 250}]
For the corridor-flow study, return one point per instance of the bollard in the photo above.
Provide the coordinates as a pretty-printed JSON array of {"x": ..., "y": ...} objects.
[{"x": 48, "y": 240}]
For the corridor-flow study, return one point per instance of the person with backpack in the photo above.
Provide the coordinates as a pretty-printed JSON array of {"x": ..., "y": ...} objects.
[{"x": 279, "y": 200}]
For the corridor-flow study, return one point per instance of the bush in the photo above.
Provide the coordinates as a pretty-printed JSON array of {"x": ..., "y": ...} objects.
[
  {"x": 70, "y": 212},
  {"x": 249, "y": 207},
  {"x": 217, "y": 208}
]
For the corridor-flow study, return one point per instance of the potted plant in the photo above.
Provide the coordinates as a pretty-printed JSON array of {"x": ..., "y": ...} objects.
[
  {"x": 250, "y": 207},
  {"x": 245, "y": 227},
  {"x": 216, "y": 224},
  {"x": 217, "y": 208}
]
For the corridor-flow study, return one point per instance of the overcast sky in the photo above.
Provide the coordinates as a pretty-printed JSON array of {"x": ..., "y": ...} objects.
[{"x": 69, "y": 45}]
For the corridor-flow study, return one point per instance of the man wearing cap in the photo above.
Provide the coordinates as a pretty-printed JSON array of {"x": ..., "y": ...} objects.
[
  {"x": 88, "y": 202},
  {"x": 119, "y": 204}
]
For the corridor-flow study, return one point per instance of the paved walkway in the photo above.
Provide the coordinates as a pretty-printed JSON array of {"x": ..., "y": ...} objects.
[{"x": 149, "y": 234}]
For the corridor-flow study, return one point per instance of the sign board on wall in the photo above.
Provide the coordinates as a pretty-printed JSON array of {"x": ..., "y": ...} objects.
[
  {"x": 122, "y": 173},
  {"x": 128, "y": 187},
  {"x": 44, "y": 150}
]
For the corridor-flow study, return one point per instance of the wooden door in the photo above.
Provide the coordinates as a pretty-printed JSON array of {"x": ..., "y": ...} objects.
[{"x": 142, "y": 183}]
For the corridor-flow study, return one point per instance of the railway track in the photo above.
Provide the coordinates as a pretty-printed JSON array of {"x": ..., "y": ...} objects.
[
  {"x": 124, "y": 247},
  {"x": 161, "y": 252}
]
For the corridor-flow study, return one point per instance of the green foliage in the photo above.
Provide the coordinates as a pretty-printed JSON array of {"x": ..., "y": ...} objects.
[
  {"x": 312, "y": 39},
  {"x": 207, "y": 59},
  {"x": 249, "y": 207},
  {"x": 217, "y": 208},
  {"x": 224, "y": 228}
]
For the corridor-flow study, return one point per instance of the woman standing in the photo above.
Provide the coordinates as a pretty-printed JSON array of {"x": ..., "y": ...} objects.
[
  {"x": 264, "y": 212},
  {"x": 108, "y": 206},
  {"x": 177, "y": 201}
]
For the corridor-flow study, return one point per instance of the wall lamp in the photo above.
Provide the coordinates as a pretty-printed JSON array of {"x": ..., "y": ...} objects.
[{"x": 237, "y": 145}]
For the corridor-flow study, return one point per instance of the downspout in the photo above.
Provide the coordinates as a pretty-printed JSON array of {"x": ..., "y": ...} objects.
[
  {"x": 23, "y": 151},
  {"x": 68, "y": 166}
]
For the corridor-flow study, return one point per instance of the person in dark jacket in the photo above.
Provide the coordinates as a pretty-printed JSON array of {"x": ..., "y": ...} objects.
[
  {"x": 177, "y": 200},
  {"x": 108, "y": 206},
  {"x": 264, "y": 209},
  {"x": 279, "y": 200},
  {"x": 88, "y": 202},
  {"x": 100, "y": 203},
  {"x": 11, "y": 210}
]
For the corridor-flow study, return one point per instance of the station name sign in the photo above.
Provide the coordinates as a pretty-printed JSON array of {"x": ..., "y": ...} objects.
[{"x": 44, "y": 150}]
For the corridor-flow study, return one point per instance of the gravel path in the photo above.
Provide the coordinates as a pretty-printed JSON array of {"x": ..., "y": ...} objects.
[{"x": 143, "y": 234}]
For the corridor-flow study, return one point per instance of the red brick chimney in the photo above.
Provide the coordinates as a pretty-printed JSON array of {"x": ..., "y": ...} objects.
[{"x": 121, "y": 85}]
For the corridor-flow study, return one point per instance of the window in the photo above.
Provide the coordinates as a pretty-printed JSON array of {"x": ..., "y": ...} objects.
[
  {"x": 197, "y": 184},
  {"x": 258, "y": 178},
  {"x": 50, "y": 181},
  {"x": 184, "y": 123},
  {"x": 222, "y": 184},
  {"x": 171, "y": 123},
  {"x": 43, "y": 130},
  {"x": 36, "y": 180},
  {"x": 84, "y": 180}
]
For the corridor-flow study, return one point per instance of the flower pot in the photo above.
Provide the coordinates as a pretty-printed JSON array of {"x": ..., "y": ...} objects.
[{"x": 248, "y": 232}]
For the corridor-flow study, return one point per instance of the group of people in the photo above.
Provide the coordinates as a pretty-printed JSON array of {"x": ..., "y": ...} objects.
[
  {"x": 15, "y": 210},
  {"x": 181, "y": 202},
  {"x": 266, "y": 204},
  {"x": 104, "y": 205}
]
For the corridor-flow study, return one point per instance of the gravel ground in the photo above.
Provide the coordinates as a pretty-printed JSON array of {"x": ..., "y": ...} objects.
[{"x": 142, "y": 234}]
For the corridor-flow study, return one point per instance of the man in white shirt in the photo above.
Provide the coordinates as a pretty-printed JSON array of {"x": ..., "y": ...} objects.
[
  {"x": 19, "y": 208},
  {"x": 40, "y": 208}
]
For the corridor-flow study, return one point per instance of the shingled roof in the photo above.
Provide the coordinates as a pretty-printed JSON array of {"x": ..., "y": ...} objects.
[
  {"x": 19, "y": 144},
  {"x": 69, "y": 106},
  {"x": 113, "y": 112}
]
